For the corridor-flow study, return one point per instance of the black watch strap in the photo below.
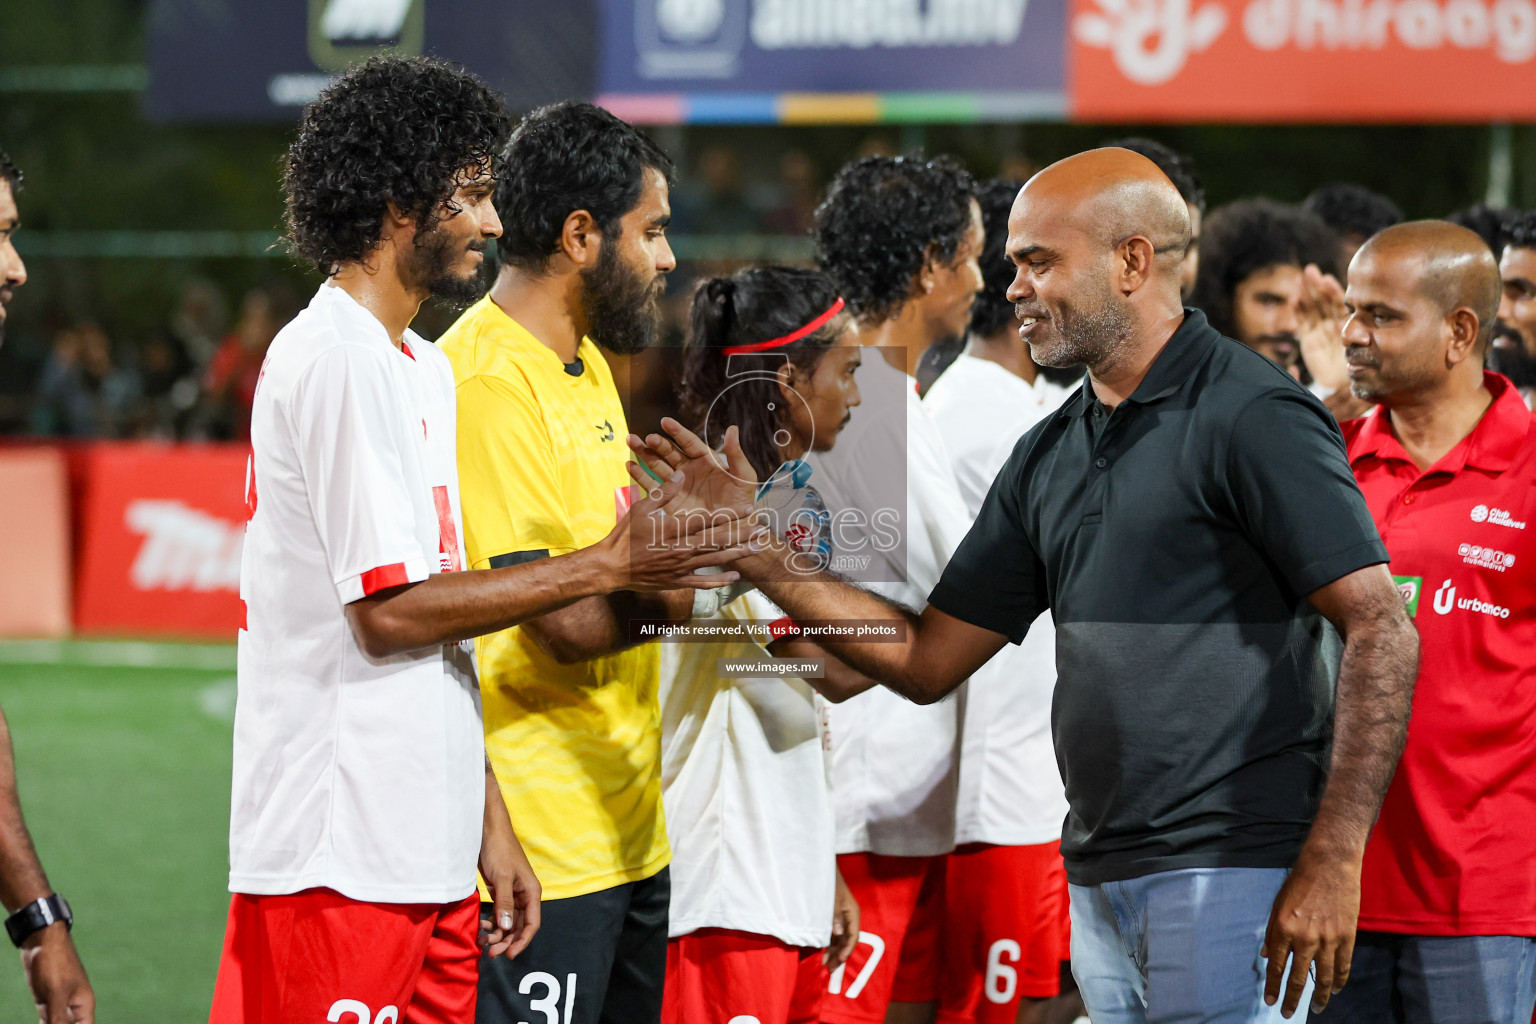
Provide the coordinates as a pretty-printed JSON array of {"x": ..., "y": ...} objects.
[{"x": 36, "y": 916}]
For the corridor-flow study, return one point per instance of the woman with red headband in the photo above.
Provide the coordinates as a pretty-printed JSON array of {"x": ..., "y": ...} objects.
[{"x": 758, "y": 913}]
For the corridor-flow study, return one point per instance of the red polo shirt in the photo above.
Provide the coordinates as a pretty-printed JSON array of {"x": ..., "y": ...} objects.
[{"x": 1454, "y": 852}]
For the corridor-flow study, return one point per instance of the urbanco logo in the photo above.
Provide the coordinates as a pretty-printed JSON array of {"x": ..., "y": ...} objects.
[{"x": 1445, "y": 598}]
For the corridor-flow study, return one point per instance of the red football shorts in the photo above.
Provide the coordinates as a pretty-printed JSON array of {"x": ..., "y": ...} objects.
[
  {"x": 897, "y": 959},
  {"x": 715, "y": 974},
  {"x": 318, "y": 956},
  {"x": 1006, "y": 931}
]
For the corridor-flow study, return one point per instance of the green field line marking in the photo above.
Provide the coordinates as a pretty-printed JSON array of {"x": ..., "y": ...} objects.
[{"x": 115, "y": 653}]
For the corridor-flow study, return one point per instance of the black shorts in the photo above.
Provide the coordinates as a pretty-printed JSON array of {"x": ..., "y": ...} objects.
[{"x": 597, "y": 959}]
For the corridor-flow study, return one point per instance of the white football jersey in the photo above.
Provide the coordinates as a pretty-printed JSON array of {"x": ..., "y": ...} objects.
[
  {"x": 359, "y": 774},
  {"x": 894, "y": 762},
  {"x": 1011, "y": 792},
  {"x": 746, "y": 786}
]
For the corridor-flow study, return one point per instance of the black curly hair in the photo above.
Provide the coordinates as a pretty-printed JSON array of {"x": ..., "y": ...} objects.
[
  {"x": 1244, "y": 237},
  {"x": 9, "y": 172},
  {"x": 1178, "y": 167},
  {"x": 1352, "y": 209},
  {"x": 883, "y": 216},
  {"x": 566, "y": 157},
  {"x": 1491, "y": 223},
  {"x": 993, "y": 310},
  {"x": 1520, "y": 230},
  {"x": 750, "y": 306},
  {"x": 393, "y": 128}
]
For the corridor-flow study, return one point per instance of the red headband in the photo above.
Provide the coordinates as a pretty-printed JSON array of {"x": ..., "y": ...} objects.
[{"x": 789, "y": 339}]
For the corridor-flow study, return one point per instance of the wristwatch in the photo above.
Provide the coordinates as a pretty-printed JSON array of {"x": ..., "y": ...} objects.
[{"x": 36, "y": 916}]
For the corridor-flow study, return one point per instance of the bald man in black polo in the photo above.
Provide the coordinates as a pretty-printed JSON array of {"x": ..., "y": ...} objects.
[{"x": 1189, "y": 519}]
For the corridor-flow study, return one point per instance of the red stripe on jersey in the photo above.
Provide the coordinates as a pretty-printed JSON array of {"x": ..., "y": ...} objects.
[
  {"x": 375, "y": 580},
  {"x": 250, "y": 486},
  {"x": 406, "y": 348},
  {"x": 447, "y": 532},
  {"x": 782, "y": 627},
  {"x": 244, "y": 616},
  {"x": 623, "y": 498}
]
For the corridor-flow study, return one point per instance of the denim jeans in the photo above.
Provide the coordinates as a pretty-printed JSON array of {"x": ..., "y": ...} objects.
[
  {"x": 1176, "y": 946},
  {"x": 1435, "y": 979}
]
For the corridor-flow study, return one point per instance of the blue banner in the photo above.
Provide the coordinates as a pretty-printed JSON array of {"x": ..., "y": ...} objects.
[
  {"x": 262, "y": 60},
  {"x": 830, "y": 46}
]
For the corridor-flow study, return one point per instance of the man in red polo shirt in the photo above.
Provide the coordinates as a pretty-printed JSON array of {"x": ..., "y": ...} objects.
[{"x": 1447, "y": 462}]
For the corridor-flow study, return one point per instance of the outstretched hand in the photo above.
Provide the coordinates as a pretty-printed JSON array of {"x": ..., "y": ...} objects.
[
  {"x": 1323, "y": 314},
  {"x": 716, "y": 480},
  {"x": 660, "y": 543}
]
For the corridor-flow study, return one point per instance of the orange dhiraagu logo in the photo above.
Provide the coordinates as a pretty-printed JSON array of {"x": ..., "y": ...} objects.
[
  {"x": 343, "y": 32},
  {"x": 1302, "y": 60}
]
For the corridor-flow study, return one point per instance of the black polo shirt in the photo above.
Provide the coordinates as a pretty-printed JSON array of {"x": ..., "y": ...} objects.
[{"x": 1175, "y": 541}]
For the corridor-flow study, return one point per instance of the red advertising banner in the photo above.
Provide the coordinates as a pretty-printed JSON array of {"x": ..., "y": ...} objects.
[
  {"x": 1302, "y": 60},
  {"x": 34, "y": 542},
  {"x": 162, "y": 527}
]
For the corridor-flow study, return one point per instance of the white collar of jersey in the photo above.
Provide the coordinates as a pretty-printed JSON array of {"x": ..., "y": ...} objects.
[{"x": 337, "y": 299}]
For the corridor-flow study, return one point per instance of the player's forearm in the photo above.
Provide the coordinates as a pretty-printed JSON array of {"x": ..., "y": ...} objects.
[
  {"x": 449, "y": 607},
  {"x": 819, "y": 597},
  {"x": 21, "y": 874},
  {"x": 594, "y": 627},
  {"x": 840, "y": 681},
  {"x": 1374, "y": 696}
]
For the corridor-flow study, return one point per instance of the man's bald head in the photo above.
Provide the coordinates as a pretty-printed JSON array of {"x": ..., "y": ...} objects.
[
  {"x": 1422, "y": 297},
  {"x": 1097, "y": 240},
  {"x": 1115, "y": 194},
  {"x": 1454, "y": 265}
]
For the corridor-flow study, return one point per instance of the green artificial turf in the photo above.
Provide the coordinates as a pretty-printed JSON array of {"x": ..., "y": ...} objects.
[{"x": 123, "y": 759}]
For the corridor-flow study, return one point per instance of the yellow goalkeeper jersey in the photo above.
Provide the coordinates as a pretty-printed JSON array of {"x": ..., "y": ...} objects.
[{"x": 576, "y": 748}]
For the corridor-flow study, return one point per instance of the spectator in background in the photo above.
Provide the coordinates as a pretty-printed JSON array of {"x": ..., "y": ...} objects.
[
  {"x": 83, "y": 393},
  {"x": 717, "y": 203},
  {"x": 1181, "y": 171},
  {"x": 168, "y": 388},
  {"x": 1355, "y": 213},
  {"x": 229, "y": 384},
  {"x": 198, "y": 322},
  {"x": 800, "y": 191},
  {"x": 1514, "y": 339},
  {"x": 1250, "y": 283},
  {"x": 1488, "y": 221}
]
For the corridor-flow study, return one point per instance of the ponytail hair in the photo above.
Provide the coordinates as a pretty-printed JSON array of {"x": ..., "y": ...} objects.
[{"x": 749, "y": 307}]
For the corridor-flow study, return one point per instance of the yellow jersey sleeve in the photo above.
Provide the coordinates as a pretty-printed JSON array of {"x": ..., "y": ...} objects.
[{"x": 510, "y": 485}]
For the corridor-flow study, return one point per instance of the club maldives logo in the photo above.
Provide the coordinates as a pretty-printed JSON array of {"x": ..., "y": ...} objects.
[
  {"x": 1152, "y": 40},
  {"x": 1495, "y": 517},
  {"x": 1486, "y": 558}
]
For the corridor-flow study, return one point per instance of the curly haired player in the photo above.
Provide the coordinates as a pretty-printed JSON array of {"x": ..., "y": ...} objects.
[
  {"x": 901, "y": 237},
  {"x": 363, "y": 801}
]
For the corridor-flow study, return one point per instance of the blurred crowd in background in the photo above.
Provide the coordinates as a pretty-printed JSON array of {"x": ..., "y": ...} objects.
[{"x": 192, "y": 375}]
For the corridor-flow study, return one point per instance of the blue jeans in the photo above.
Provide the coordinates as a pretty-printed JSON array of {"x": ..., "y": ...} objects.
[
  {"x": 1176, "y": 946},
  {"x": 1434, "y": 979}
]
